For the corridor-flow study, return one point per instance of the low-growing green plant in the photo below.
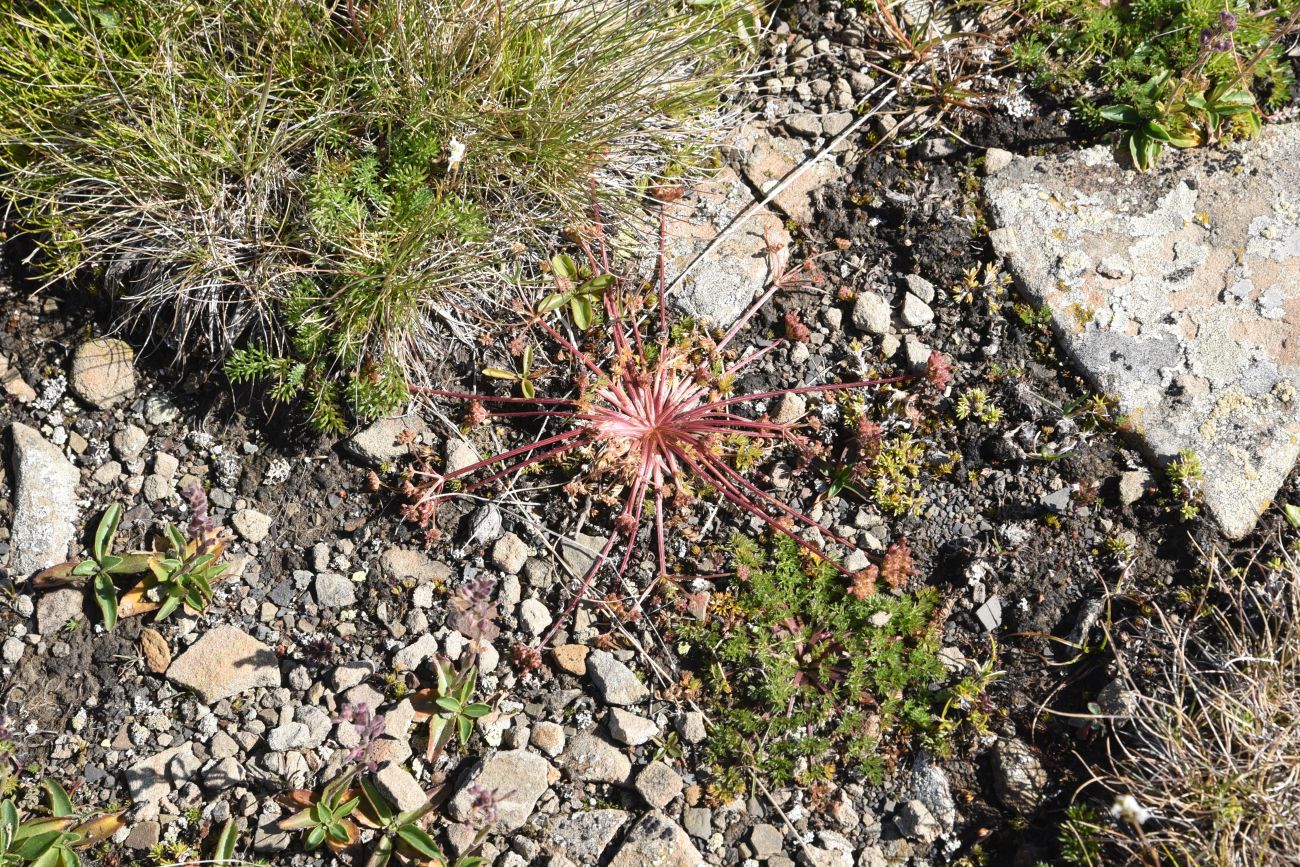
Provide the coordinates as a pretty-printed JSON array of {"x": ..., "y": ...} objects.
[
  {"x": 181, "y": 572},
  {"x": 325, "y": 198},
  {"x": 1186, "y": 477},
  {"x": 53, "y": 840},
  {"x": 796, "y": 672},
  {"x": 1174, "y": 73}
]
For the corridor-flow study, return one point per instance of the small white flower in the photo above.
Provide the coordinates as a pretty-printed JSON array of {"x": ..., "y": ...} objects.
[
  {"x": 1129, "y": 810},
  {"x": 456, "y": 153}
]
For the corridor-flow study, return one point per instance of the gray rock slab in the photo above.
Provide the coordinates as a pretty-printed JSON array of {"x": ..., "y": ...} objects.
[
  {"x": 377, "y": 444},
  {"x": 45, "y": 503},
  {"x": 583, "y": 837},
  {"x": 656, "y": 839},
  {"x": 1177, "y": 292},
  {"x": 767, "y": 159},
  {"x": 225, "y": 662},
  {"x": 517, "y": 778},
  {"x": 726, "y": 281}
]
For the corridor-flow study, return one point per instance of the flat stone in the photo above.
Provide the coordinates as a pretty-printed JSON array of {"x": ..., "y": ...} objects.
[
  {"x": 405, "y": 563},
  {"x": 592, "y": 759},
  {"x": 916, "y": 312},
  {"x": 157, "y": 655},
  {"x": 871, "y": 313},
  {"x": 224, "y": 774},
  {"x": 916, "y": 822},
  {"x": 1177, "y": 293},
  {"x": 584, "y": 837},
  {"x": 289, "y": 736},
  {"x": 581, "y": 551},
  {"x": 400, "y": 788},
  {"x": 990, "y": 614},
  {"x": 534, "y": 616},
  {"x": 225, "y": 662},
  {"x": 656, "y": 839},
  {"x": 378, "y": 444},
  {"x": 767, "y": 159},
  {"x": 628, "y": 728},
  {"x": 766, "y": 840},
  {"x": 56, "y": 609},
  {"x": 1018, "y": 776},
  {"x": 251, "y": 524},
  {"x": 13, "y": 384},
  {"x": 658, "y": 784},
  {"x": 45, "y": 503},
  {"x": 334, "y": 590},
  {"x": 726, "y": 281},
  {"x": 102, "y": 372},
  {"x": 144, "y": 835},
  {"x": 517, "y": 778},
  {"x": 614, "y": 681},
  {"x": 571, "y": 658},
  {"x": 410, "y": 657},
  {"x": 147, "y": 781},
  {"x": 510, "y": 554},
  {"x": 458, "y": 454}
]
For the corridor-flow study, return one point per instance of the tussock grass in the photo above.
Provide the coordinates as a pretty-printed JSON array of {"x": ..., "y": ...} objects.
[
  {"x": 323, "y": 192},
  {"x": 1211, "y": 750}
]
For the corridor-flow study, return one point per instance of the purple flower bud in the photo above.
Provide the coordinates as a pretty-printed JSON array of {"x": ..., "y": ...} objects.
[
  {"x": 1227, "y": 21},
  {"x": 1223, "y": 43},
  {"x": 1207, "y": 36}
]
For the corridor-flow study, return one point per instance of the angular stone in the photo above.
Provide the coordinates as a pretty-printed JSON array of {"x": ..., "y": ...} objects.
[
  {"x": 251, "y": 524},
  {"x": 410, "y": 657},
  {"x": 656, "y": 839},
  {"x": 378, "y": 443},
  {"x": 225, "y": 662},
  {"x": 13, "y": 383},
  {"x": 628, "y": 728},
  {"x": 102, "y": 373},
  {"x": 510, "y": 554},
  {"x": 45, "y": 503},
  {"x": 658, "y": 784},
  {"x": 584, "y": 837},
  {"x": 400, "y": 788},
  {"x": 571, "y": 658},
  {"x": 723, "y": 284},
  {"x": 334, "y": 590},
  {"x": 56, "y": 609},
  {"x": 592, "y": 759},
  {"x": 615, "y": 682},
  {"x": 518, "y": 778},
  {"x": 766, "y": 840},
  {"x": 1177, "y": 292},
  {"x": 915, "y": 311},
  {"x": 871, "y": 313}
]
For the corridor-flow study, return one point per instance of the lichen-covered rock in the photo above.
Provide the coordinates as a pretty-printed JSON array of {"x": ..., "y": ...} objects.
[
  {"x": 45, "y": 503},
  {"x": 1178, "y": 294}
]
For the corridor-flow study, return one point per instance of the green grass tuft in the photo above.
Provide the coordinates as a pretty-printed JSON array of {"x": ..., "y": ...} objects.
[{"x": 345, "y": 188}]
